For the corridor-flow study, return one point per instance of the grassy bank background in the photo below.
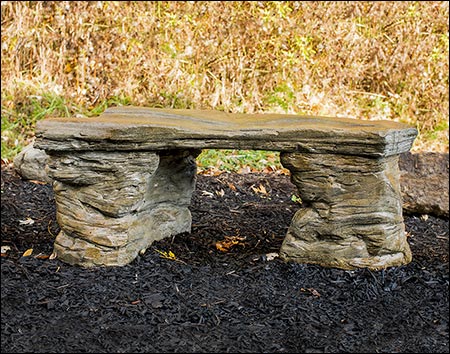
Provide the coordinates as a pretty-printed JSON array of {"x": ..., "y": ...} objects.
[{"x": 368, "y": 60}]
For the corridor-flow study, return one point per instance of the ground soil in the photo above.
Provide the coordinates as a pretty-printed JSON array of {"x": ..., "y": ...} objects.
[{"x": 220, "y": 290}]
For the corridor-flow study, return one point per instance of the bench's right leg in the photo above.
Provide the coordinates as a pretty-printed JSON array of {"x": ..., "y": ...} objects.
[
  {"x": 352, "y": 214},
  {"x": 112, "y": 205}
]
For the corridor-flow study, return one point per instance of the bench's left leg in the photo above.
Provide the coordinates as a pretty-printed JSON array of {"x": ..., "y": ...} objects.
[
  {"x": 111, "y": 205},
  {"x": 352, "y": 212}
]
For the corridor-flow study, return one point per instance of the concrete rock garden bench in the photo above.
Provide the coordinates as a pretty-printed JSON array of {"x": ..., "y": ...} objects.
[{"x": 124, "y": 179}]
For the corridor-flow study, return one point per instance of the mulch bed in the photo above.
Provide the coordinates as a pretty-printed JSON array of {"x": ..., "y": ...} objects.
[{"x": 219, "y": 290}]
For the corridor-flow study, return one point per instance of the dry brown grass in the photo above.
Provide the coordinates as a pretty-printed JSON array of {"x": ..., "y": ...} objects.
[{"x": 369, "y": 60}]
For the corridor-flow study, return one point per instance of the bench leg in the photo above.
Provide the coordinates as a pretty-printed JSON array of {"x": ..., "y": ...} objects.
[
  {"x": 112, "y": 205},
  {"x": 352, "y": 212}
]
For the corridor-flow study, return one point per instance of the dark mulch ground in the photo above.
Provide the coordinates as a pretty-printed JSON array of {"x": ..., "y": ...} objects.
[{"x": 213, "y": 301}]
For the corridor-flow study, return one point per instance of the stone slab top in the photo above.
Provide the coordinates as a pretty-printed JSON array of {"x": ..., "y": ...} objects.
[{"x": 138, "y": 129}]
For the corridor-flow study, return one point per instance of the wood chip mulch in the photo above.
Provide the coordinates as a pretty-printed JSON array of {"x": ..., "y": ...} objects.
[{"x": 218, "y": 289}]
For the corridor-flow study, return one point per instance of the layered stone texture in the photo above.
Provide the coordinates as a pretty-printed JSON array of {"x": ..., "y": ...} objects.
[
  {"x": 112, "y": 205},
  {"x": 139, "y": 128},
  {"x": 124, "y": 179},
  {"x": 352, "y": 214}
]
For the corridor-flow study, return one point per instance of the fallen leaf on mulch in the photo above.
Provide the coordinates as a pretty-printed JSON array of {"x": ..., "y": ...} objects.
[
  {"x": 27, "y": 253},
  {"x": 206, "y": 193},
  {"x": 228, "y": 242},
  {"x": 28, "y": 221},
  {"x": 42, "y": 256},
  {"x": 220, "y": 193},
  {"x": 259, "y": 190},
  {"x": 168, "y": 255},
  {"x": 296, "y": 199},
  {"x": 271, "y": 256},
  {"x": 231, "y": 186},
  {"x": 5, "y": 249}
]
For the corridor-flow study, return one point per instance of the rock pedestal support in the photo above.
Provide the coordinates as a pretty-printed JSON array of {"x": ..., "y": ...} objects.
[
  {"x": 112, "y": 205},
  {"x": 124, "y": 180},
  {"x": 352, "y": 214}
]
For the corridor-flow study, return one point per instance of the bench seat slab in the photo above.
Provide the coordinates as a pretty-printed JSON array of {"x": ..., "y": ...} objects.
[{"x": 139, "y": 128}]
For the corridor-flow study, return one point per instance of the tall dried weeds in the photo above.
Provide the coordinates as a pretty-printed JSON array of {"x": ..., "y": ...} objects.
[{"x": 367, "y": 60}]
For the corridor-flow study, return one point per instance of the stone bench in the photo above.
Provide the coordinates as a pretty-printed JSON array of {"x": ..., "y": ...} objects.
[{"x": 124, "y": 179}]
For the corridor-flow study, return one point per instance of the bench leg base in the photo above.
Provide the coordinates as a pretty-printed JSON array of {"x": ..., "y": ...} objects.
[
  {"x": 113, "y": 205},
  {"x": 352, "y": 212},
  {"x": 143, "y": 231}
]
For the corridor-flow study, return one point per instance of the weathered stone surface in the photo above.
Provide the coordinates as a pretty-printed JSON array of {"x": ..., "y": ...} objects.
[
  {"x": 139, "y": 128},
  {"x": 31, "y": 164},
  {"x": 111, "y": 205},
  {"x": 424, "y": 180},
  {"x": 352, "y": 215}
]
